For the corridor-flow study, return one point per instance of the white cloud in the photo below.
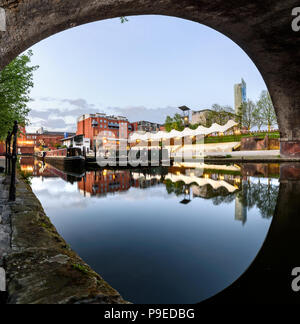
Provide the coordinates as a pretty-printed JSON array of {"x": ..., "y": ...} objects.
[{"x": 61, "y": 114}]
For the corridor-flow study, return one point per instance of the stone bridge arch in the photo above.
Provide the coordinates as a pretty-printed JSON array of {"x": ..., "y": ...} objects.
[{"x": 261, "y": 28}]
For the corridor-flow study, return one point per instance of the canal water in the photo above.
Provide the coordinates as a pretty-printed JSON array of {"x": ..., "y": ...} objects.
[{"x": 162, "y": 235}]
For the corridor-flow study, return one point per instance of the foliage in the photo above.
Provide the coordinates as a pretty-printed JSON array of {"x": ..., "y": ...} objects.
[
  {"x": 263, "y": 196},
  {"x": 193, "y": 127},
  {"x": 260, "y": 114},
  {"x": 124, "y": 20},
  {"x": 16, "y": 81},
  {"x": 258, "y": 121},
  {"x": 220, "y": 109},
  {"x": 175, "y": 187},
  {"x": 174, "y": 123},
  {"x": 237, "y": 138},
  {"x": 248, "y": 108},
  {"x": 80, "y": 268},
  {"x": 266, "y": 110}
]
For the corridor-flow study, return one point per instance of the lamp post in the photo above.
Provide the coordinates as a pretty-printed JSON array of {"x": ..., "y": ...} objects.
[
  {"x": 185, "y": 115},
  {"x": 94, "y": 125}
]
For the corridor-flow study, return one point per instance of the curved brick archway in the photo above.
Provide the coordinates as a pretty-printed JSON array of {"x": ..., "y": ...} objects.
[{"x": 262, "y": 29}]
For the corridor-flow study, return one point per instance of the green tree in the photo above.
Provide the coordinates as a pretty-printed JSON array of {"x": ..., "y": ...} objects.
[
  {"x": 16, "y": 81},
  {"x": 219, "y": 108},
  {"x": 124, "y": 19},
  {"x": 220, "y": 115},
  {"x": 266, "y": 109},
  {"x": 174, "y": 123},
  {"x": 258, "y": 121},
  {"x": 248, "y": 109}
]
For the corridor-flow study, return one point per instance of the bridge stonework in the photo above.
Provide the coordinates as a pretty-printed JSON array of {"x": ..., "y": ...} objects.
[{"x": 263, "y": 29}]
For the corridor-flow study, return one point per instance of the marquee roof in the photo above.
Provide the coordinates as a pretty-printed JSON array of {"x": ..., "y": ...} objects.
[{"x": 215, "y": 128}]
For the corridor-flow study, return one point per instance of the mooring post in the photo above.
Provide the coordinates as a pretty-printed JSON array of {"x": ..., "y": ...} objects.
[{"x": 12, "y": 190}]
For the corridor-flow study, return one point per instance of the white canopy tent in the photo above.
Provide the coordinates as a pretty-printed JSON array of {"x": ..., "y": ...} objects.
[{"x": 204, "y": 131}]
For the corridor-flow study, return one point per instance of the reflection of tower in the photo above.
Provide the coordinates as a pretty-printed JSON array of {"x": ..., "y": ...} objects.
[
  {"x": 240, "y": 206},
  {"x": 240, "y": 96},
  {"x": 240, "y": 210}
]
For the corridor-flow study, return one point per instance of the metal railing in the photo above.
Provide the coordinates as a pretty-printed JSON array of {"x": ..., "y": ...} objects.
[{"x": 11, "y": 159}]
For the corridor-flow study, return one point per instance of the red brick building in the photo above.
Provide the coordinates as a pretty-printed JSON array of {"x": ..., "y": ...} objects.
[
  {"x": 45, "y": 139},
  {"x": 113, "y": 127},
  {"x": 28, "y": 143}
]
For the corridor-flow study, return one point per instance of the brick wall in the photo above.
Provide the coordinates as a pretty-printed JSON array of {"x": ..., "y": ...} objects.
[{"x": 257, "y": 144}]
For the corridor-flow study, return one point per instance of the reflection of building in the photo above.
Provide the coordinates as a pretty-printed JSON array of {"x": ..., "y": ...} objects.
[
  {"x": 240, "y": 96},
  {"x": 31, "y": 166},
  {"x": 144, "y": 181},
  {"x": 100, "y": 183},
  {"x": 240, "y": 210}
]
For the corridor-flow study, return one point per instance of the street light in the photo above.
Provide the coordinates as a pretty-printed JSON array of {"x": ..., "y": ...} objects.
[
  {"x": 94, "y": 125},
  {"x": 185, "y": 115}
]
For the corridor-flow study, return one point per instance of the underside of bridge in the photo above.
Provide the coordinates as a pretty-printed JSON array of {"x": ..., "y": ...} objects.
[{"x": 261, "y": 28}]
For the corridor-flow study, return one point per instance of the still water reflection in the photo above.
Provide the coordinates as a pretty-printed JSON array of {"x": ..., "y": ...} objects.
[{"x": 162, "y": 235}]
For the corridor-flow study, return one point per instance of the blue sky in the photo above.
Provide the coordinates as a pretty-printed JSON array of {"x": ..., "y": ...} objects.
[{"x": 142, "y": 69}]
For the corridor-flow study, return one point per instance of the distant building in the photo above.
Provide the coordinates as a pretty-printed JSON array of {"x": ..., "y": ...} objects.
[
  {"x": 240, "y": 96},
  {"x": 29, "y": 142},
  {"x": 145, "y": 126},
  {"x": 46, "y": 139},
  {"x": 200, "y": 117},
  {"x": 208, "y": 117},
  {"x": 77, "y": 141}
]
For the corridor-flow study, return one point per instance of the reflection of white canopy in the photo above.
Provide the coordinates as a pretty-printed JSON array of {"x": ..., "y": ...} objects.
[
  {"x": 215, "y": 128},
  {"x": 216, "y": 184}
]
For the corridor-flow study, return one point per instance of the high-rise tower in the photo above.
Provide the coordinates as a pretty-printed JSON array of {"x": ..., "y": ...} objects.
[{"x": 240, "y": 96}]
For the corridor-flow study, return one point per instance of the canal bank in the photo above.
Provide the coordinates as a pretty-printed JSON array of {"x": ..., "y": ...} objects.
[{"x": 40, "y": 266}]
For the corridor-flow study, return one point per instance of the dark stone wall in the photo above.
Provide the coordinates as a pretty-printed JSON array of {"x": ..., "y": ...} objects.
[{"x": 261, "y": 28}]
